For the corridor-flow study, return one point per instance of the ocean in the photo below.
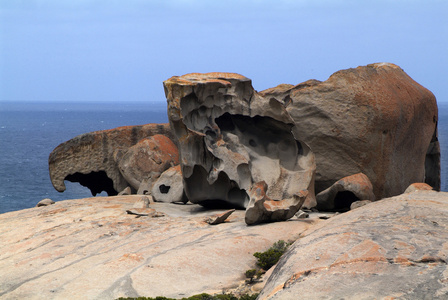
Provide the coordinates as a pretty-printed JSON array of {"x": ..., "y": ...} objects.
[{"x": 30, "y": 131}]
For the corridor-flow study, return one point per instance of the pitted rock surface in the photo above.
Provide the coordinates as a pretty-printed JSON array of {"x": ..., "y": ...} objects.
[
  {"x": 373, "y": 119},
  {"x": 93, "y": 249},
  {"x": 395, "y": 248},
  {"x": 230, "y": 137},
  {"x": 90, "y": 158}
]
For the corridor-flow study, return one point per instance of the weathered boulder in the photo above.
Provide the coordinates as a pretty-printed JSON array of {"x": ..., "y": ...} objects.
[
  {"x": 230, "y": 137},
  {"x": 344, "y": 192},
  {"x": 89, "y": 158},
  {"x": 418, "y": 186},
  {"x": 263, "y": 209},
  {"x": 372, "y": 119},
  {"x": 393, "y": 248},
  {"x": 169, "y": 187},
  {"x": 146, "y": 161},
  {"x": 45, "y": 202}
]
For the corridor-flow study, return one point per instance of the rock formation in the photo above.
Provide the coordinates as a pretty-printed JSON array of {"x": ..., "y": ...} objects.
[
  {"x": 372, "y": 119},
  {"x": 344, "y": 192},
  {"x": 393, "y": 248},
  {"x": 230, "y": 138},
  {"x": 169, "y": 187},
  {"x": 90, "y": 158},
  {"x": 142, "y": 164},
  {"x": 263, "y": 209}
]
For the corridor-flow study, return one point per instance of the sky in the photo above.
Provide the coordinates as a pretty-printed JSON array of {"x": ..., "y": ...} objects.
[{"x": 122, "y": 50}]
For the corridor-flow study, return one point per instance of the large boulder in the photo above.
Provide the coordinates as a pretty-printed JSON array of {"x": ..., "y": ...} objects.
[
  {"x": 230, "y": 138},
  {"x": 393, "y": 248},
  {"x": 90, "y": 158},
  {"x": 143, "y": 163},
  {"x": 372, "y": 119}
]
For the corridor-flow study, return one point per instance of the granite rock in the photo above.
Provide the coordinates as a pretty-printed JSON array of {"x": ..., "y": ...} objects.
[
  {"x": 93, "y": 249},
  {"x": 393, "y": 248}
]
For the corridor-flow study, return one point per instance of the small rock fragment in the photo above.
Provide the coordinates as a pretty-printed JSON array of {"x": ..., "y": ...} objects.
[
  {"x": 302, "y": 215},
  {"x": 358, "y": 204},
  {"x": 219, "y": 218},
  {"x": 45, "y": 202},
  {"x": 126, "y": 191},
  {"x": 324, "y": 217},
  {"x": 158, "y": 214},
  {"x": 143, "y": 202},
  {"x": 141, "y": 212}
]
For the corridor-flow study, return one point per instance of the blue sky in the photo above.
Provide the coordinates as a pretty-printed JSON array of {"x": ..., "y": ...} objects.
[{"x": 110, "y": 50}]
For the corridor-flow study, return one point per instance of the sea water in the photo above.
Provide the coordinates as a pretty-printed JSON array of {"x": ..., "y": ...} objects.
[{"x": 30, "y": 131}]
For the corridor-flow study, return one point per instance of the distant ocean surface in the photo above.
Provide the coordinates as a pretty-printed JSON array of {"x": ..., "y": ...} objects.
[{"x": 30, "y": 131}]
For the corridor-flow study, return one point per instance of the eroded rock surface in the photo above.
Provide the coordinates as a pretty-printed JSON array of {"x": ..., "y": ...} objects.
[
  {"x": 230, "y": 137},
  {"x": 93, "y": 249},
  {"x": 393, "y": 248},
  {"x": 90, "y": 158},
  {"x": 372, "y": 119},
  {"x": 263, "y": 209}
]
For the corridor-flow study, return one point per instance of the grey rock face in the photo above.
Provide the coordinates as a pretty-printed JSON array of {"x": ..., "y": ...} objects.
[{"x": 230, "y": 137}]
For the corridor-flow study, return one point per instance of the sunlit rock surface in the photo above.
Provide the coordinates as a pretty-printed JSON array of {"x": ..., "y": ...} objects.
[
  {"x": 230, "y": 137},
  {"x": 93, "y": 249},
  {"x": 395, "y": 248}
]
